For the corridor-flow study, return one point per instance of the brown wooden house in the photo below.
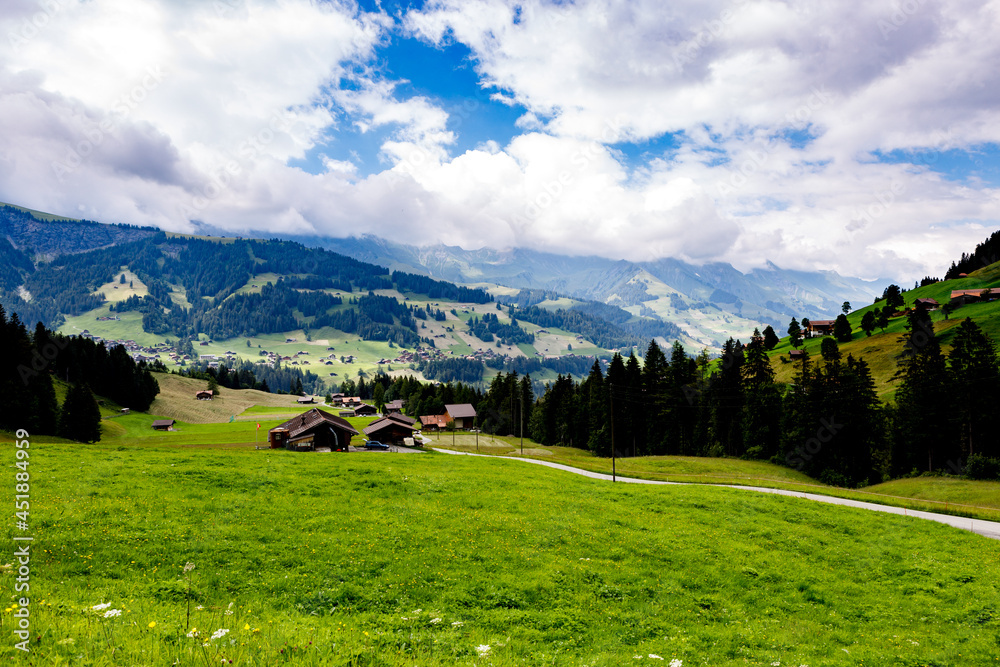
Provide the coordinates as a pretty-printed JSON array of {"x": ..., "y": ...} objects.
[
  {"x": 390, "y": 430},
  {"x": 963, "y": 296},
  {"x": 365, "y": 410},
  {"x": 434, "y": 422},
  {"x": 163, "y": 425},
  {"x": 463, "y": 414},
  {"x": 820, "y": 328},
  {"x": 311, "y": 431},
  {"x": 204, "y": 395},
  {"x": 395, "y": 406}
]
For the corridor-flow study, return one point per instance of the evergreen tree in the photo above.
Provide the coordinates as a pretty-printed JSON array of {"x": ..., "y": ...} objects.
[
  {"x": 868, "y": 323},
  {"x": 81, "y": 417},
  {"x": 829, "y": 350},
  {"x": 762, "y": 406},
  {"x": 725, "y": 401},
  {"x": 842, "y": 329},
  {"x": 795, "y": 333},
  {"x": 654, "y": 387},
  {"x": 924, "y": 435},
  {"x": 893, "y": 297},
  {"x": 770, "y": 338},
  {"x": 43, "y": 412},
  {"x": 975, "y": 376}
]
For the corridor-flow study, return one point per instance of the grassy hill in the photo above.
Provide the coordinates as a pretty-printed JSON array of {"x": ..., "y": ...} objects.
[
  {"x": 377, "y": 559},
  {"x": 881, "y": 349}
]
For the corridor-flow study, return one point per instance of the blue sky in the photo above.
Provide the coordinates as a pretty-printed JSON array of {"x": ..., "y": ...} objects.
[{"x": 861, "y": 138}]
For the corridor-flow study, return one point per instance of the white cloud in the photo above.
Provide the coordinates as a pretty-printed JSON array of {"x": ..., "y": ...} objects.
[{"x": 162, "y": 111}]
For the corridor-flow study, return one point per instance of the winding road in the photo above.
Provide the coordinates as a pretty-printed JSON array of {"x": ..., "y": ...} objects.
[{"x": 990, "y": 529}]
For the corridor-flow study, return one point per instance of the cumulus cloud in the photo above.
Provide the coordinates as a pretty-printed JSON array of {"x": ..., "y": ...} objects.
[{"x": 172, "y": 111}]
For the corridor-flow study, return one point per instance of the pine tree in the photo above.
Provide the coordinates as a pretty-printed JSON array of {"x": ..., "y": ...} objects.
[
  {"x": 868, "y": 323},
  {"x": 770, "y": 338},
  {"x": 842, "y": 329},
  {"x": 795, "y": 333},
  {"x": 725, "y": 401},
  {"x": 975, "y": 375},
  {"x": 924, "y": 434},
  {"x": 762, "y": 406},
  {"x": 654, "y": 387},
  {"x": 81, "y": 417}
]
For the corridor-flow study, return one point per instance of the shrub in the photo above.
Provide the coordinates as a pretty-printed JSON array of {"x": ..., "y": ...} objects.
[{"x": 981, "y": 467}]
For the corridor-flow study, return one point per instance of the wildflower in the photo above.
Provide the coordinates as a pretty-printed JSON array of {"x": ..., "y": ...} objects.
[
  {"x": 775, "y": 664},
  {"x": 246, "y": 627},
  {"x": 653, "y": 656},
  {"x": 435, "y": 620},
  {"x": 675, "y": 663},
  {"x": 152, "y": 624},
  {"x": 111, "y": 613},
  {"x": 220, "y": 633},
  {"x": 99, "y": 607},
  {"x": 193, "y": 633},
  {"x": 457, "y": 624},
  {"x": 68, "y": 640},
  {"x": 483, "y": 649},
  {"x": 188, "y": 566},
  {"x": 199, "y": 607}
]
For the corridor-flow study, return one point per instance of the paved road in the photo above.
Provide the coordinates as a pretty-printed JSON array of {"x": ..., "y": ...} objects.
[{"x": 989, "y": 529}]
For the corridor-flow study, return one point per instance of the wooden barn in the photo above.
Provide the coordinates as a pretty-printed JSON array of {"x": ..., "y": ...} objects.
[
  {"x": 204, "y": 395},
  {"x": 163, "y": 425},
  {"x": 312, "y": 431},
  {"x": 463, "y": 414},
  {"x": 365, "y": 410},
  {"x": 391, "y": 430}
]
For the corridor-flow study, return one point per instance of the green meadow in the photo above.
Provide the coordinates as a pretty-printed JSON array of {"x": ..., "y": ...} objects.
[{"x": 428, "y": 559}]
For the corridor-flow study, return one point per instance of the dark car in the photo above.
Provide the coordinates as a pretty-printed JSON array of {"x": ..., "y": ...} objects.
[{"x": 373, "y": 444}]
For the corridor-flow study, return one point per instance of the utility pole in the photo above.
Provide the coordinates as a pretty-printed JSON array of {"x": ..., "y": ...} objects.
[
  {"x": 522, "y": 423},
  {"x": 613, "y": 434}
]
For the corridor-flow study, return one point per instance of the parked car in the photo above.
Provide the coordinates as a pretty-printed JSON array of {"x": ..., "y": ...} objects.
[{"x": 374, "y": 444}]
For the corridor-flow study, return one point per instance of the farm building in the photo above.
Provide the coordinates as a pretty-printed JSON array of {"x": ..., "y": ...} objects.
[
  {"x": 820, "y": 328},
  {"x": 306, "y": 400},
  {"x": 365, "y": 410},
  {"x": 312, "y": 431},
  {"x": 390, "y": 430},
  {"x": 204, "y": 395},
  {"x": 463, "y": 414},
  {"x": 964, "y": 296},
  {"x": 434, "y": 422},
  {"x": 797, "y": 354},
  {"x": 395, "y": 406},
  {"x": 927, "y": 303},
  {"x": 163, "y": 425}
]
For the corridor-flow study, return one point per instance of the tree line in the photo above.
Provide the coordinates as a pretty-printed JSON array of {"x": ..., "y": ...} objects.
[
  {"x": 828, "y": 423},
  {"x": 31, "y": 362}
]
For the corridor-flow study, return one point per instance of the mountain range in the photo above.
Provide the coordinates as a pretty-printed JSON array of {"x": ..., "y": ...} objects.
[{"x": 710, "y": 302}]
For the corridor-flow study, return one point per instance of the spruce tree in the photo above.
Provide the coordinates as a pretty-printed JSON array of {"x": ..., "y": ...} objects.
[
  {"x": 762, "y": 407},
  {"x": 81, "y": 417},
  {"x": 842, "y": 329},
  {"x": 795, "y": 333},
  {"x": 770, "y": 338},
  {"x": 975, "y": 376}
]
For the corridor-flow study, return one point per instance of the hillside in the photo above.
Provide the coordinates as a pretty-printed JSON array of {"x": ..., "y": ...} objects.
[
  {"x": 709, "y": 303},
  {"x": 882, "y": 348},
  {"x": 263, "y": 301}
]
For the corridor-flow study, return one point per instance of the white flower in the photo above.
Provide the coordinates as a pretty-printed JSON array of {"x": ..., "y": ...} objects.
[
  {"x": 99, "y": 607},
  {"x": 775, "y": 664},
  {"x": 193, "y": 633},
  {"x": 220, "y": 633},
  {"x": 676, "y": 663},
  {"x": 634, "y": 657},
  {"x": 229, "y": 612},
  {"x": 483, "y": 649},
  {"x": 111, "y": 613},
  {"x": 653, "y": 656},
  {"x": 458, "y": 624},
  {"x": 199, "y": 607},
  {"x": 435, "y": 620}
]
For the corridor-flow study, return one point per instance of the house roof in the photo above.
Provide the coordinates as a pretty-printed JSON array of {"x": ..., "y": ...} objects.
[
  {"x": 971, "y": 292},
  {"x": 822, "y": 323},
  {"x": 164, "y": 422},
  {"x": 384, "y": 423},
  {"x": 928, "y": 301},
  {"x": 434, "y": 420},
  {"x": 306, "y": 399},
  {"x": 395, "y": 405},
  {"x": 296, "y": 426},
  {"x": 402, "y": 419},
  {"x": 204, "y": 391},
  {"x": 461, "y": 411}
]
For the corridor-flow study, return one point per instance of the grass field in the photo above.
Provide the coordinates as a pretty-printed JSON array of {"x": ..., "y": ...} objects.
[
  {"x": 946, "y": 495},
  {"x": 380, "y": 559}
]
